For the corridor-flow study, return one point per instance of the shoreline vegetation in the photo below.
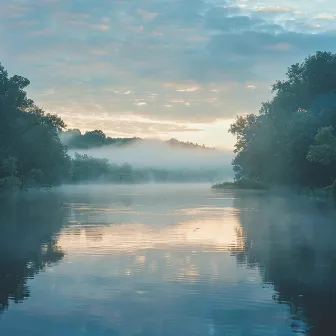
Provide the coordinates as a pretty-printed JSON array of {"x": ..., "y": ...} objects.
[
  {"x": 320, "y": 194},
  {"x": 246, "y": 185},
  {"x": 240, "y": 184},
  {"x": 291, "y": 142}
]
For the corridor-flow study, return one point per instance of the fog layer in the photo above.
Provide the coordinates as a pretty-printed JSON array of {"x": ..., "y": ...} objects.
[{"x": 160, "y": 155}]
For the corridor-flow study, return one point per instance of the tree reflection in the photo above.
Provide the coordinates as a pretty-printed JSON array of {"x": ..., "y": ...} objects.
[
  {"x": 292, "y": 241},
  {"x": 28, "y": 224}
]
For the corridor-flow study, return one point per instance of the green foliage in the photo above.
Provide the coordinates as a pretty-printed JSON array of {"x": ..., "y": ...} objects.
[
  {"x": 29, "y": 135},
  {"x": 241, "y": 184},
  {"x": 85, "y": 168},
  {"x": 324, "y": 151},
  {"x": 9, "y": 166},
  {"x": 333, "y": 190},
  {"x": 10, "y": 183},
  {"x": 90, "y": 169},
  {"x": 9, "y": 180},
  {"x": 176, "y": 143},
  {"x": 276, "y": 147},
  {"x": 74, "y": 139}
]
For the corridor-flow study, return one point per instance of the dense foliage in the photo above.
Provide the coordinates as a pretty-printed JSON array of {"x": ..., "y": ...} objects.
[
  {"x": 87, "y": 168},
  {"x": 90, "y": 169},
  {"x": 241, "y": 184},
  {"x": 292, "y": 139},
  {"x": 74, "y": 139},
  {"x": 30, "y": 149}
]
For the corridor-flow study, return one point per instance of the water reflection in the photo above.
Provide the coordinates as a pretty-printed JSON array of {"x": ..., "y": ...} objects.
[
  {"x": 212, "y": 231},
  {"x": 168, "y": 260},
  {"x": 27, "y": 244},
  {"x": 292, "y": 241}
]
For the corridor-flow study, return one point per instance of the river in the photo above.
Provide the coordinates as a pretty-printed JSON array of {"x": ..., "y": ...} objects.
[{"x": 165, "y": 260}]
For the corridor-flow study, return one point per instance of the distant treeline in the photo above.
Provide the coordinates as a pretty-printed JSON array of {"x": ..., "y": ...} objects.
[
  {"x": 74, "y": 139},
  {"x": 292, "y": 141},
  {"x": 90, "y": 169},
  {"x": 34, "y": 147}
]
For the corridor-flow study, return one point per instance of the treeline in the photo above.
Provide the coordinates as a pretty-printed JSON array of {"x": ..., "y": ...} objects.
[
  {"x": 34, "y": 144},
  {"x": 90, "y": 169},
  {"x": 292, "y": 141},
  {"x": 75, "y": 139},
  {"x": 176, "y": 143}
]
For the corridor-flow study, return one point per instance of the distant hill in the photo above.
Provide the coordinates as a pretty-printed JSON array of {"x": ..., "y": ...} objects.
[
  {"x": 74, "y": 139},
  {"x": 177, "y": 143}
]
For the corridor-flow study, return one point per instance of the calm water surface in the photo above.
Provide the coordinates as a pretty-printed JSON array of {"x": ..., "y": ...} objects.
[{"x": 165, "y": 260}]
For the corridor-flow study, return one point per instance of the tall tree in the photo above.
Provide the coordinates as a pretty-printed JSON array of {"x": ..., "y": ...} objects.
[
  {"x": 272, "y": 146},
  {"x": 29, "y": 135}
]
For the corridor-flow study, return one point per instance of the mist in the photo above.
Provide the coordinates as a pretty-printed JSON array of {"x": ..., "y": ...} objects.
[{"x": 155, "y": 154}]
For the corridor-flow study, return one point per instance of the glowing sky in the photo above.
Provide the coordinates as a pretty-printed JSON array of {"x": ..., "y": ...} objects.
[{"x": 159, "y": 68}]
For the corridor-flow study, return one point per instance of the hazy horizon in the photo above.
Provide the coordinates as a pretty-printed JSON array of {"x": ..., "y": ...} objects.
[{"x": 152, "y": 154}]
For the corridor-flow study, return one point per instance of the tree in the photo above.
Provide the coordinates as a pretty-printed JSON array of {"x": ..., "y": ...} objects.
[
  {"x": 272, "y": 146},
  {"x": 324, "y": 151},
  {"x": 28, "y": 135}
]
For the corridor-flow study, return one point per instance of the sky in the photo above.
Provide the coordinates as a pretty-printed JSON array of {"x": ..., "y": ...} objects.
[{"x": 159, "y": 68}]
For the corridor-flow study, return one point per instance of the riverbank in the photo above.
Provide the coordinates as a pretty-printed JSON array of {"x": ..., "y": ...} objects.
[
  {"x": 328, "y": 192},
  {"x": 241, "y": 184}
]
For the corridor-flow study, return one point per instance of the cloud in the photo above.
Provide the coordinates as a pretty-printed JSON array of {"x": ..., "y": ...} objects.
[
  {"x": 326, "y": 16},
  {"x": 123, "y": 54},
  {"x": 129, "y": 126},
  {"x": 102, "y": 27},
  {"x": 274, "y": 9},
  {"x": 251, "y": 86}
]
